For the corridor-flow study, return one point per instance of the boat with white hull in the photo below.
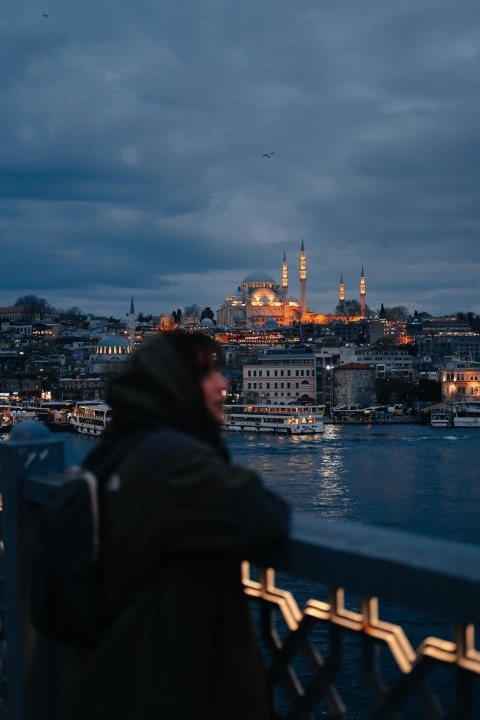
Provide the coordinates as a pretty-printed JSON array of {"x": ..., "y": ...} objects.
[
  {"x": 91, "y": 419},
  {"x": 6, "y": 418},
  {"x": 278, "y": 419},
  {"x": 466, "y": 415},
  {"x": 441, "y": 417}
]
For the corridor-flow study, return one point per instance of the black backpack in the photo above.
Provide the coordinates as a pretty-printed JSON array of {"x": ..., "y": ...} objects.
[{"x": 65, "y": 590}]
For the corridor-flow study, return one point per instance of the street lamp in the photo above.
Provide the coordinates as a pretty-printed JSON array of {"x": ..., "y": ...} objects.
[
  {"x": 329, "y": 383},
  {"x": 44, "y": 394}
]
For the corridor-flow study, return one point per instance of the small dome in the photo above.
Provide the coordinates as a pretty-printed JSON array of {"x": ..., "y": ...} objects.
[
  {"x": 258, "y": 277},
  {"x": 113, "y": 341},
  {"x": 207, "y": 322}
]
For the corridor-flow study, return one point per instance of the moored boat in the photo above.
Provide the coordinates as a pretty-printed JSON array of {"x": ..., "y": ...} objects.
[
  {"x": 60, "y": 422},
  {"x": 6, "y": 419},
  {"x": 466, "y": 415},
  {"x": 91, "y": 419},
  {"x": 54, "y": 412},
  {"x": 23, "y": 415},
  {"x": 441, "y": 417},
  {"x": 279, "y": 419}
]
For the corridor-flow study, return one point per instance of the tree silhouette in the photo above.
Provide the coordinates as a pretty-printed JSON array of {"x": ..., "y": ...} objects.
[
  {"x": 192, "y": 310},
  {"x": 33, "y": 304},
  {"x": 348, "y": 310},
  {"x": 207, "y": 313},
  {"x": 397, "y": 313}
]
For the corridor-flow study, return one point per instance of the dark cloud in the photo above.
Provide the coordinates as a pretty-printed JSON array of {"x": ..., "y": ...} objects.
[{"x": 132, "y": 137}]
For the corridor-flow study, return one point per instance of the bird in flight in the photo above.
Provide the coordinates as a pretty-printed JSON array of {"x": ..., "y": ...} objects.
[
  {"x": 45, "y": 15},
  {"x": 268, "y": 155}
]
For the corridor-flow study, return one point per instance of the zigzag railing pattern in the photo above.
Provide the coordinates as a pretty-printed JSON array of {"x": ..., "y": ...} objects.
[
  {"x": 314, "y": 637},
  {"x": 306, "y": 649}
]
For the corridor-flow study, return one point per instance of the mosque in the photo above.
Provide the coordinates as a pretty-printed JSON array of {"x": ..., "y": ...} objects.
[{"x": 261, "y": 301}]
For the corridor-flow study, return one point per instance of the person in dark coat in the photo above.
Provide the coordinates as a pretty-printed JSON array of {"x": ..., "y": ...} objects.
[{"x": 178, "y": 519}]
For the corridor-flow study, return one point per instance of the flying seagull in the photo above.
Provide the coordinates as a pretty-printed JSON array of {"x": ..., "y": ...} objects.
[
  {"x": 45, "y": 15},
  {"x": 268, "y": 155}
]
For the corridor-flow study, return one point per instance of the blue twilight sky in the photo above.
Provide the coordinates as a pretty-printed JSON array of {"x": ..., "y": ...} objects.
[{"x": 132, "y": 136}]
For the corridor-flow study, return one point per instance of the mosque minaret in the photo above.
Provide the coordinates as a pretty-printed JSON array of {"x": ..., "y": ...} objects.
[
  {"x": 363, "y": 292},
  {"x": 303, "y": 281},
  {"x": 341, "y": 296},
  {"x": 132, "y": 318},
  {"x": 284, "y": 273},
  {"x": 260, "y": 301}
]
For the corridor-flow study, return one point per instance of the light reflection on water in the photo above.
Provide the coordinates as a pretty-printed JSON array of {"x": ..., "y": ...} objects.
[
  {"x": 414, "y": 478},
  {"x": 406, "y": 476}
]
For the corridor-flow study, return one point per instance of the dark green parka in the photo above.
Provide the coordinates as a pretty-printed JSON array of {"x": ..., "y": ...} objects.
[{"x": 178, "y": 518}]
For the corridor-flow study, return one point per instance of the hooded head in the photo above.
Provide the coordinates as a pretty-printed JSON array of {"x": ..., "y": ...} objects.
[{"x": 161, "y": 386}]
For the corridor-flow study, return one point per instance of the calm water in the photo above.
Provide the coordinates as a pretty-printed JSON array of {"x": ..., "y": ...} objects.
[
  {"x": 415, "y": 478},
  {"x": 421, "y": 479}
]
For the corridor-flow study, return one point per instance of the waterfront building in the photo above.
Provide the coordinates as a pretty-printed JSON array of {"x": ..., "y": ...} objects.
[
  {"x": 354, "y": 385},
  {"x": 460, "y": 380},
  {"x": 326, "y": 360},
  {"x": 80, "y": 388},
  {"x": 281, "y": 377},
  {"x": 238, "y": 354}
]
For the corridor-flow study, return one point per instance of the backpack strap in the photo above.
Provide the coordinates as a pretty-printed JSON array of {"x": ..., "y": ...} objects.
[
  {"x": 165, "y": 443},
  {"x": 117, "y": 452}
]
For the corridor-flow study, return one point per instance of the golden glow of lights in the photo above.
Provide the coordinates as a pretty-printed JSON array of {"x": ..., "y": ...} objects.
[{"x": 303, "y": 267}]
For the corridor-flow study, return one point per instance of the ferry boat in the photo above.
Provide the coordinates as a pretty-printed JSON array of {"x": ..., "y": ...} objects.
[
  {"x": 61, "y": 421},
  {"x": 441, "y": 417},
  {"x": 91, "y": 419},
  {"x": 466, "y": 415},
  {"x": 279, "y": 419},
  {"x": 354, "y": 414},
  {"x": 56, "y": 414},
  {"x": 21, "y": 415},
  {"x": 6, "y": 418}
]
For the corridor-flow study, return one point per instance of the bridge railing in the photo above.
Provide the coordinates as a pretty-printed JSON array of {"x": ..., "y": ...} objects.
[{"x": 320, "y": 627}]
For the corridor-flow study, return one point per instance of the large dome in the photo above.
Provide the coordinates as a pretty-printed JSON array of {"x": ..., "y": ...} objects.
[
  {"x": 113, "y": 341},
  {"x": 258, "y": 277}
]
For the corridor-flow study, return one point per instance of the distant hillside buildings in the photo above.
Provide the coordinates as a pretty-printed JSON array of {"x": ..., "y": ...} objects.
[{"x": 277, "y": 351}]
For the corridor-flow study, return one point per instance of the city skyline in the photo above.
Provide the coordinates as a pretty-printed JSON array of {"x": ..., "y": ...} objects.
[{"x": 167, "y": 150}]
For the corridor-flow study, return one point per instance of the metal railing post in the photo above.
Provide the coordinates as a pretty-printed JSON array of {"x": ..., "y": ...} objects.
[{"x": 31, "y": 450}]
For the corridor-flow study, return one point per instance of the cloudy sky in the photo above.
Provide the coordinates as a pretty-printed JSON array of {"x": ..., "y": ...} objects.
[{"x": 132, "y": 136}]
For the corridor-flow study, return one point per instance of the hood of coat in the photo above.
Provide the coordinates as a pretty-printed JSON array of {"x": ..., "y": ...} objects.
[{"x": 156, "y": 390}]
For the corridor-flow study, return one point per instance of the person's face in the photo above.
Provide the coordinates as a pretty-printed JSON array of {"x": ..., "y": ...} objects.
[{"x": 214, "y": 387}]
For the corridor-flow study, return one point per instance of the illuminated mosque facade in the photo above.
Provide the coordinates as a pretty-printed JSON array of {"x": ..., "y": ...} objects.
[{"x": 261, "y": 301}]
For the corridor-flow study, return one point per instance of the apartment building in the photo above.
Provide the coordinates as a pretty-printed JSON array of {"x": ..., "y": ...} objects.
[
  {"x": 460, "y": 381},
  {"x": 393, "y": 362},
  {"x": 281, "y": 377}
]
